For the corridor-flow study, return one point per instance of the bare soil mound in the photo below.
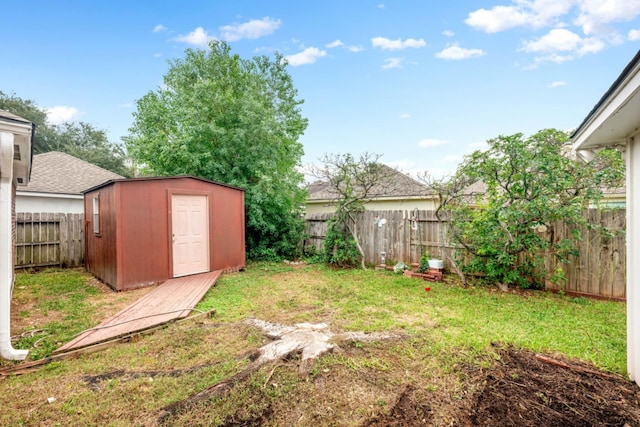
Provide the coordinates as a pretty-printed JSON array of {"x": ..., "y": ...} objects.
[{"x": 527, "y": 390}]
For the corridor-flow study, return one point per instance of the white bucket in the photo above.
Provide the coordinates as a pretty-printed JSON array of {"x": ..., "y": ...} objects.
[{"x": 436, "y": 263}]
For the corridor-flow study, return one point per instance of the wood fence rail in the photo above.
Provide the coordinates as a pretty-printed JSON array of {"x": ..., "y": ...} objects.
[
  {"x": 49, "y": 239},
  {"x": 599, "y": 270}
]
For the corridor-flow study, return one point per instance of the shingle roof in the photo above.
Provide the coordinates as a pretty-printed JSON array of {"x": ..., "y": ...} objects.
[
  {"x": 7, "y": 115},
  {"x": 61, "y": 173},
  {"x": 402, "y": 186}
]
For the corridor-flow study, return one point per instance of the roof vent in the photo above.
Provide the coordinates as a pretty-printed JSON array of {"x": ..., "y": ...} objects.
[{"x": 16, "y": 152}]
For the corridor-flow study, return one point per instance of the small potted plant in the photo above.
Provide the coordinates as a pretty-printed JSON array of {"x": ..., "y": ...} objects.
[{"x": 423, "y": 267}]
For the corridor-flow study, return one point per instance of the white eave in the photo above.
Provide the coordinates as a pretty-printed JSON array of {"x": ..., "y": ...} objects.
[
  {"x": 49, "y": 195},
  {"x": 615, "y": 116},
  {"x": 22, "y": 138}
]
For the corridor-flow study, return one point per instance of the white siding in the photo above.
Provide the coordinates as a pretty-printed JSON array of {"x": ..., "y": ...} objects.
[
  {"x": 65, "y": 203},
  {"x": 377, "y": 205}
]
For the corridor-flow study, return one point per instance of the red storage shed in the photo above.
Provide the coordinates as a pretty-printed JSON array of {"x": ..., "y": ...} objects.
[{"x": 142, "y": 231}]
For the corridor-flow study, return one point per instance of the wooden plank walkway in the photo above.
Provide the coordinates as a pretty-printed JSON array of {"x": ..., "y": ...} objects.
[{"x": 171, "y": 300}]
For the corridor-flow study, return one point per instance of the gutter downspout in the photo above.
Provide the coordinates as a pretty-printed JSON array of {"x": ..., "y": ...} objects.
[{"x": 6, "y": 248}]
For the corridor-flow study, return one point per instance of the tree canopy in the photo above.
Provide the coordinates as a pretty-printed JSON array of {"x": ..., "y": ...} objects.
[
  {"x": 233, "y": 120},
  {"x": 79, "y": 139},
  {"x": 528, "y": 183}
]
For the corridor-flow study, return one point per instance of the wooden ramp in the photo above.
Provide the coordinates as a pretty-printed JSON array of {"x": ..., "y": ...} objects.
[{"x": 171, "y": 300}]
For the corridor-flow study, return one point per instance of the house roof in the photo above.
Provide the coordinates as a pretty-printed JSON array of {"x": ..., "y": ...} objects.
[
  {"x": 7, "y": 116},
  {"x": 61, "y": 173},
  {"x": 614, "y": 117},
  {"x": 401, "y": 186}
]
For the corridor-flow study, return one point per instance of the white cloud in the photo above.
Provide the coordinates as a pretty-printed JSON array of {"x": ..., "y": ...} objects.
[
  {"x": 558, "y": 83},
  {"x": 159, "y": 28},
  {"x": 390, "y": 63},
  {"x": 405, "y": 116},
  {"x": 126, "y": 105},
  {"x": 263, "y": 49},
  {"x": 252, "y": 29},
  {"x": 339, "y": 43},
  {"x": 633, "y": 35},
  {"x": 198, "y": 37},
  {"x": 430, "y": 142},
  {"x": 380, "y": 6},
  {"x": 590, "y": 45},
  {"x": 157, "y": 55},
  {"x": 307, "y": 56},
  {"x": 354, "y": 49},
  {"x": 448, "y": 33},
  {"x": 595, "y": 15},
  {"x": 534, "y": 13},
  {"x": 560, "y": 45},
  {"x": 61, "y": 114},
  {"x": 387, "y": 44},
  {"x": 499, "y": 18},
  {"x": 558, "y": 39},
  {"x": 455, "y": 52}
]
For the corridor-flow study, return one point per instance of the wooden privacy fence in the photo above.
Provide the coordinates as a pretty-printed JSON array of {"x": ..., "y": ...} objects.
[
  {"x": 49, "y": 239},
  {"x": 599, "y": 270}
]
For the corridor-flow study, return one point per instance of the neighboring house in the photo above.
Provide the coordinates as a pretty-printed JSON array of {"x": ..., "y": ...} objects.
[
  {"x": 16, "y": 143},
  {"x": 615, "y": 122},
  {"x": 614, "y": 198},
  {"x": 400, "y": 192},
  {"x": 57, "y": 182}
]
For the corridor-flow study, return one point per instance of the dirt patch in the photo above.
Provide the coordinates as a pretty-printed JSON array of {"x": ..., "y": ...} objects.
[
  {"x": 406, "y": 411},
  {"x": 524, "y": 390},
  {"x": 521, "y": 388}
]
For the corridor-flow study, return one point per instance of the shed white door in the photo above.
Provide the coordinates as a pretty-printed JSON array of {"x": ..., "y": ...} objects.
[{"x": 190, "y": 228}]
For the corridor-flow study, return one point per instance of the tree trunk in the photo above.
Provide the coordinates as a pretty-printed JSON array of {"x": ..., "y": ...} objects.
[{"x": 355, "y": 237}]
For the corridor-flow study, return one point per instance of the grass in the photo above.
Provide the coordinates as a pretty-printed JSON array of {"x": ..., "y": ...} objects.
[
  {"x": 449, "y": 333},
  {"x": 58, "y": 295},
  {"x": 448, "y": 314}
]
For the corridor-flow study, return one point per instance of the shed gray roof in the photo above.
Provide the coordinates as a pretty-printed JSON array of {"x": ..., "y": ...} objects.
[
  {"x": 61, "y": 173},
  {"x": 402, "y": 186}
]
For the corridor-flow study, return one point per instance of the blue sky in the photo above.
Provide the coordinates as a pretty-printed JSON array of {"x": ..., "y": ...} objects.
[{"x": 420, "y": 82}]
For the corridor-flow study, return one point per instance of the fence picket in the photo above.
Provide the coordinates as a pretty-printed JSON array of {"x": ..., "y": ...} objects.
[{"x": 49, "y": 239}]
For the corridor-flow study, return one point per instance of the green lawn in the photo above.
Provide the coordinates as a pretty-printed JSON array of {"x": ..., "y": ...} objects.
[{"x": 449, "y": 335}]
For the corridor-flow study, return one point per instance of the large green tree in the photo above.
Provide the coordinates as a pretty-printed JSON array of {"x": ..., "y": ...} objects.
[
  {"x": 502, "y": 203},
  {"x": 79, "y": 139},
  {"x": 221, "y": 117}
]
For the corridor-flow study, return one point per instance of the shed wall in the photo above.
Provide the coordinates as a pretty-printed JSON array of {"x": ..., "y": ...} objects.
[
  {"x": 142, "y": 223},
  {"x": 226, "y": 213},
  {"x": 100, "y": 250},
  {"x": 143, "y": 227}
]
